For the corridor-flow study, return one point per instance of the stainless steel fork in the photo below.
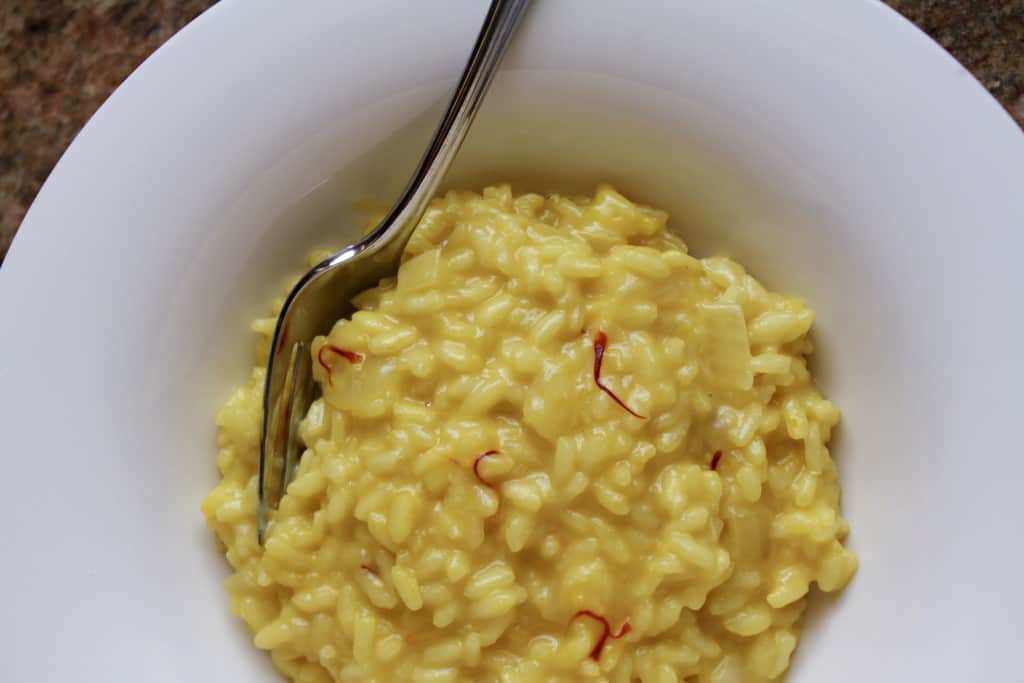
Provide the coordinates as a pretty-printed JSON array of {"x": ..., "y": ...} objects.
[{"x": 324, "y": 294}]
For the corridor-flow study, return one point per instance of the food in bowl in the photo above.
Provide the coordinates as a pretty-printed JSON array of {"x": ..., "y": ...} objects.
[{"x": 555, "y": 447}]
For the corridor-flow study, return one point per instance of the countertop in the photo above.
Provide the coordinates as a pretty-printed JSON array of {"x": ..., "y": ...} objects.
[{"x": 59, "y": 59}]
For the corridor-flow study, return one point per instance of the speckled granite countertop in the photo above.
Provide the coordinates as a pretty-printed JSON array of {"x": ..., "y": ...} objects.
[{"x": 59, "y": 59}]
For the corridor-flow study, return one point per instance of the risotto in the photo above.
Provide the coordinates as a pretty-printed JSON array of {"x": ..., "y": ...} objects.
[{"x": 556, "y": 447}]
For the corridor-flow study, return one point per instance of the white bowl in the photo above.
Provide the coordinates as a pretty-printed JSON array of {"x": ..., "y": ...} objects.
[{"x": 827, "y": 145}]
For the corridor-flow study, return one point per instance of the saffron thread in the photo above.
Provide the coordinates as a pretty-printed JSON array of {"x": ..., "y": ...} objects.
[
  {"x": 600, "y": 344},
  {"x": 715, "y": 459},
  {"x": 476, "y": 468},
  {"x": 351, "y": 356},
  {"x": 606, "y": 631}
]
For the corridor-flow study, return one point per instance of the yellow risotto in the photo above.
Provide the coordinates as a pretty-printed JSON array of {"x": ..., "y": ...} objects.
[{"x": 555, "y": 448}]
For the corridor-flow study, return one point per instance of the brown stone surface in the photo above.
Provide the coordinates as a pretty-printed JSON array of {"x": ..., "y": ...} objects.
[
  {"x": 987, "y": 36},
  {"x": 59, "y": 59}
]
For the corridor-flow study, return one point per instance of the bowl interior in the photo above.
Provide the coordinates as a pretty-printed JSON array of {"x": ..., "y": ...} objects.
[{"x": 780, "y": 137}]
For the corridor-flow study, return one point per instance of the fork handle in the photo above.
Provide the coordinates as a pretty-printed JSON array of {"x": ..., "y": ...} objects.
[
  {"x": 390, "y": 238},
  {"x": 288, "y": 389}
]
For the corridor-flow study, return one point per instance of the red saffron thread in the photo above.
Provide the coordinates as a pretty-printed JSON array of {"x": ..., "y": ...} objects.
[
  {"x": 367, "y": 568},
  {"x": 351, "y": 356},
  {"x": 476, "y": 469},
  {"x": 714, "y": 460},
  {"x": 600, "y": 343},
  {"x": 606, "y": 631}
]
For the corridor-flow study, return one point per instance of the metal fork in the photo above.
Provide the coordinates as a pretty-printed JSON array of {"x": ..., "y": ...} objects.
[{"x": 324, "y": 294}]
